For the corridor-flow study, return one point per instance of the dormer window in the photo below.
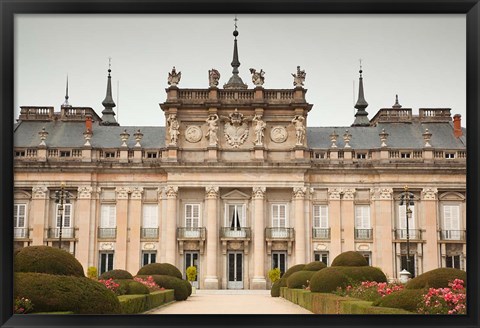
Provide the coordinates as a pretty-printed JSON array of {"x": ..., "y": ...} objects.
[
  {"x": 449, "y": 155},
  {"x": 20, "y": 153},
  {"x": 109, "y": 154},
  {"x": 151, "y": 155},
  {"x": 361, "y": 155},
  {"x": 405, "y": 155},
  {"x": 65, "y": 153}
]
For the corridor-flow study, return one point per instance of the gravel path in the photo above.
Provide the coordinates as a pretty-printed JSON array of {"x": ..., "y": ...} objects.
[{"x": 231, "y": 302}]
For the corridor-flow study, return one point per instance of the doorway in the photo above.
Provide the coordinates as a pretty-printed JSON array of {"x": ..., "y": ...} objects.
[
  {"x": 235, "y": 270},
  {"x": 191, "y": 259}
]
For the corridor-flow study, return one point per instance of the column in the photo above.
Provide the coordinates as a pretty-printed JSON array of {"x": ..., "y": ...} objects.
[
  {"x": 259, "y": 281},
  {"x": 348, "y": 219},
  {"x": 134, "y": 252},
  {"x": 83, "y": 223},
  {"x": 39, "y": 214},
  {"x": 429, "y": 202},
  {"x": 171, "y": 225},
  {"x": 161, "y": 225},
  {"x": 383, "y": 243},
  {"x": 211, "y": 279},
  {"x": 299, "y": 198},
  {"x": 335, "y": 223},
  {"x": 120, "y": 257}
]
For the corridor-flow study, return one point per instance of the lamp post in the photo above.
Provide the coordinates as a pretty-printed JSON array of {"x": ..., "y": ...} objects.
[
  {"x": 408, "y": 215},
  {"x": 61, "y": 196}
]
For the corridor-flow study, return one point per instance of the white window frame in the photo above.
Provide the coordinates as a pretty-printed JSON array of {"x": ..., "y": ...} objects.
[
  {"x": 195, "y": 221},
  {"x": 150, "y": 216},
  {"x": 279, "y": 219},
  {"x": 455, "y": 229},
  {"x": 112, "y": 216},
  {"x": 242, "y": 218},
  {"x": 361, "y": 224},
  {"x": 19, "y": 230},
  {"x": 67, "y": 215},
  {"x": 320, "y": 220}
]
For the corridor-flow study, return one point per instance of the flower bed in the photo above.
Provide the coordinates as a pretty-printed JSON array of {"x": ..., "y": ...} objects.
[
  {"x": 451, "y": 300},
  {"x": 369, "y": 290}
]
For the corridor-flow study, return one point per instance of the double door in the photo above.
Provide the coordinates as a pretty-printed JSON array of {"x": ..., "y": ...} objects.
[
  {"x": 235, "y": 270},
  {"x": 191, "y": 259}
]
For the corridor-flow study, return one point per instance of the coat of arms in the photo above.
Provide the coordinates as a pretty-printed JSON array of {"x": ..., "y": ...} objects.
[{"x": 236, "y": 131}]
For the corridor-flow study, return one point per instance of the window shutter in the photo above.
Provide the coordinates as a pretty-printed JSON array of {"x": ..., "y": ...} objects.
[
  {"x": 275, "y": 221},
  {"x": 19, "y": 215},
  {"x": 150, "y": 216},
  {"x": 108, "y": 216},
  {"x": 283, "y": 216},
  {"x": 67, "y": 215},
  {"x": 196, "y": 215},
  {"x": 320, "y": 216},
  {"x": 362, "y": 217}
]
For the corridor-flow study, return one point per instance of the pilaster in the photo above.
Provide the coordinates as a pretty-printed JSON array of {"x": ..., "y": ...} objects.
[
  {"x": 429, "y": 202},
  {"x": 120, "y": 258},
  {"x": 171, "y": 224},
  {"x": 299, "y": 199},
  {"x": 83, "y": 223},
  {"x": 211, "y": 278},
  {"x": 259, "y": 281},
  {"x": 134, "y": 251},
  {"x": 39, "y": 213}
]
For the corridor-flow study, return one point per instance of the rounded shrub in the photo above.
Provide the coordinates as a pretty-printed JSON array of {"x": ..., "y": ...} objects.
[
  {"x": 116, "y": 274},
  {"x": 131, "y": 287},
  {"x": 189, "y": 286},
  {"x": 349, "y": 258},
  {"x": 315, "y": 266},
  {"x": 299, "y": 279},
  {"x": 45, "y": 259},
  {"x": 328, "y": 279},
  {"x": 291, "y": 270},
  {"x": 163, "y": 269},
  {"x": 168, "y": 282},
  {"x": 275, "y": 291},
  {"x": 437, "y": 278},
  {"x": 55, "y": 293},
  {"x": 407, "y": 299}
]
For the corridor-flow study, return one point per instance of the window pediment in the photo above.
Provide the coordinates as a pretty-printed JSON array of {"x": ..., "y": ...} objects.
[
  {"x": 451, "y": 195},
  {"x": 235, "y": 195}
]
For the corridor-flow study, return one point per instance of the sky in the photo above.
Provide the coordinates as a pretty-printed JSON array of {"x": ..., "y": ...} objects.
[{"x": 422, "y": 58}]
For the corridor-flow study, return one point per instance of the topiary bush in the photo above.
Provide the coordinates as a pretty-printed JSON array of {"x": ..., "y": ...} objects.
[
  {"x": 291, "y": 270},
  {"x": 92, "y": 272},
  {"x": 437, "y": 278},
  {"x": 53, "y": 293},
  {"x": 189, "y": 286},
  {"x": 163, "y": 269},
  {"x": 327, "y": 280},
  {"x": 299, "y": 279},
  {"x": 131, "y": 287},
  {"x": 314, "y": 266},
  {"x": 407, "y": 299},
  {"x": 275, "y": 291},
  {"x": 349, "y": 258},
  {"x": 46, "y": 259},
  {"x": 116, "y": 274},
  {"x": 179, "y": 286},
  {"x": 274, "y": 275}
]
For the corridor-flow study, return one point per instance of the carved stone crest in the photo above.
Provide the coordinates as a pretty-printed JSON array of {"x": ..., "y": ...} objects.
[
  {"x": 107, "y": 246},
  {"x": 85, "y": 192},
  {"x": 278, "y": 134},
  {"x": 236, "y": 131},
  {"x": 174, "y": 77},
  {"x": 299, "y": 78},
  {"x": 193, "y": 134}
]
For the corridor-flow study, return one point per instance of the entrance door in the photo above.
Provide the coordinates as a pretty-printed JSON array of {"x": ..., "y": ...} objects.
[
  {"x": 235, "y": 270},
  {"x": 191, "y": 259}
]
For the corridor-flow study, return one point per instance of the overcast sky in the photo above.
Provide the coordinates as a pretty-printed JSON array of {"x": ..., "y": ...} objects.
[{"x": 422, "y": 58}]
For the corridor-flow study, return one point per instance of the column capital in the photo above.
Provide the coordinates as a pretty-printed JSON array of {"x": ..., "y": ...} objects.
[
  {"x": 334, "y": 193},
  {"x": 171, "y": 191},
  {"x": 429, "y": 193},
  {"x": 136, "y": 192},
  {"x": 85, "y": 192},
  {"x": 299, "y": 192},
  {"x": 39, "y": 192},
  {"x": 385, "y": 193},
  {"x": 211, "y": 192},
  {"x": 258, "y": 192},
  {"x": 348, "y": 193},
  {"x": 122, "y": 192}
]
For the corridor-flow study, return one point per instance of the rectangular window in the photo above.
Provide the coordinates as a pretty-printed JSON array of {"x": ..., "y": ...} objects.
[
  {"x": 362, "y": 217},
  {"x": 67, "y": 216},
  {"x": 450, "y": 155},
  {"x": 411, "y": 265},
  {"x": 19, "y": 220},
  {"x": 20, "y": 153},
  {"x": 279, "y": 260},
  {"x": 192, "y": 215},
  {"x": 453, "y": 261},
  {"x": 405, "y": 155},
  {"x": 151, "y": 155},
  {"x": 109, "y": 154},
  {"x": 279, "y": 215},
  {"x": 451, "y": 222},
  {"x": 65, "y": 153},
  {"x": 108, "y": 216},
  {"x": 321, "y": 257},
  {"x": 367, "y": 256},
  {"x": 106, "y": 262},
  {"x": 149, "y": 257},
  {"x": 320, "y": 216},
  {"x": 361, "y": 155},
  {"x": 235, "y": 216},
  {"x": 150, "y": 216}
]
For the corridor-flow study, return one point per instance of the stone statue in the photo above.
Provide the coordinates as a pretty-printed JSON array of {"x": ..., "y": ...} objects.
[
  {"x": 236, "y": 131},
  {"x": 213, "y": 77},
  {"x": 174, "y": 77},
  {"x": 173, "y": 129},
  {"x": 299, "y": 78},
  {"x": 298, "y": 121},
  {"x": 257, "y": 77},
  {"x": 259, "y": 130},
  {"x": 212, "y": 129}
]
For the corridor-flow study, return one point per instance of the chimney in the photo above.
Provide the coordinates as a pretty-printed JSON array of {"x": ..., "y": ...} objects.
[
  {"x": 88, "y": 123},
  {"x": 457, "y": 125}
]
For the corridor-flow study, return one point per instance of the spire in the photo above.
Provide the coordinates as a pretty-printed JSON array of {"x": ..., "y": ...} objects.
[
  {"x": 235, "y": 81},
  {"x": 65, "y": 103},
  {"x": 361, "y": 117},
  {"x": 396, "y": 105},
  {"x": 108, "y": 117}
]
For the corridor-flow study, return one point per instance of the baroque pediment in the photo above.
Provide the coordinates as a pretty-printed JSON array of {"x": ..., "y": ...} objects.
[{"x": 235, "y": 194}]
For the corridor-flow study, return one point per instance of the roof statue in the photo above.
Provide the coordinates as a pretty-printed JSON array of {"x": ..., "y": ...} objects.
[
  {"x": 257, "y": 77},
  {"x": 299, "y": 122},
  {"x": 174, "y": 77},
  {"x": 299, "y": 78},
  {"x": 213, "y": 77}
]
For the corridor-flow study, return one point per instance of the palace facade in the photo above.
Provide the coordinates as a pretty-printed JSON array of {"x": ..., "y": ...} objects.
[{"x": 238, "y": 182}]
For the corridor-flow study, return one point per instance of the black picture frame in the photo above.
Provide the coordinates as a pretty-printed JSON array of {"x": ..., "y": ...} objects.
[{"x": 11, "y": 7}]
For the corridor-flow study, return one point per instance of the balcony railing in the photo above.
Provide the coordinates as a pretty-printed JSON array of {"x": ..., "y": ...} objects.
[
  {"x": 20, "y": 232},
  {"x": 363, "y": 234},
  {"x": 107, "y": 233},
  {"x": 415, "y": 234},
  {"x": 452, "y": 234},
  {"x": 280, "y": 233},
  {"x": 228, "y": 232},
  {"x": 321, "y": 233},
  {"x": 149, "y": 233},
  {"x": 191, "y": 233},
  {"x": 54, "y": 233}
]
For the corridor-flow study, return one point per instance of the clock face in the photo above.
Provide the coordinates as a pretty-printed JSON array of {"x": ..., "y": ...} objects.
[
  {"x": 193, "y": 134},
  {"x": 278, "y": 134}
]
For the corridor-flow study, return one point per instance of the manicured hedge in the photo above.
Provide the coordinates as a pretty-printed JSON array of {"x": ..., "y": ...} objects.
[
  {"x": 299, "y": 279},
  {"x": 53, "y": 293},
  {"x": 407, "y": 299},
  {"x": 350, "y": 258},
  {"x": 45, "y": 259},
  {"x": 131, "y": 287},
  {"x": 189, "y": 286},
  {"x": 178, "y": 285},
  {"x": 293, "y": 269},
  {"x": 275, "y": 291},
  {"x": 314, "y": 266},
  {"x": 328, "y": 279},
  {"x": 131, "y": 304},
  {"x": 116, "y": 274},
  {"x": 437, "y": 278},
  {"x": 164, "y": 269}
]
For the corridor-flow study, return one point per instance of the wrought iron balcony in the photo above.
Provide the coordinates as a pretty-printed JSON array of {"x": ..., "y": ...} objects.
[
  {"x": 280, "y": 233},
  {"x": 414, "y": 234},
  {"x": 321, "y": 233},
  {"x": 149, "y": 233},
  {"x": 233, "y": 233},
  {"x": 67, "y": 233},
  {"x": 191, "y": 233},
  {"x": 107, "y": 233},
  {"x": 363, "y": 234},
  {"x": 19, "y": 233},
  {"x": 453, "y": 235}
]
